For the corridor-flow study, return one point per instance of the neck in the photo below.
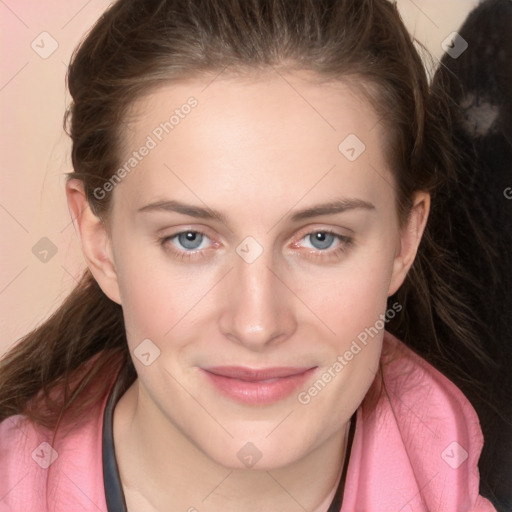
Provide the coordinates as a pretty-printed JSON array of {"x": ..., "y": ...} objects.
[{"x": 160, "y": 469}]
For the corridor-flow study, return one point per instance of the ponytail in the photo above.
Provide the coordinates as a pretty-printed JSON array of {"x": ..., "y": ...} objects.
[{"x": 81, "y": 346}]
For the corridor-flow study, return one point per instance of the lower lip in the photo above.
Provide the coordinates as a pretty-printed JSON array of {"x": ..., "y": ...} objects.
[{"x": 261, "y": 392}]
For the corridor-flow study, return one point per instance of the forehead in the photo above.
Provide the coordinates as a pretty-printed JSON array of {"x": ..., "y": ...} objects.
[{"x": 275, "y": 133}]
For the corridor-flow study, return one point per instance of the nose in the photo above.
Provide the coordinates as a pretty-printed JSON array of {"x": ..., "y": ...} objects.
[{"x": 258, "y": 311}]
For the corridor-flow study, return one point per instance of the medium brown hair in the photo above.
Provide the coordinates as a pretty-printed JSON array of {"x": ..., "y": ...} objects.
[{"x": 138, "y": 45}]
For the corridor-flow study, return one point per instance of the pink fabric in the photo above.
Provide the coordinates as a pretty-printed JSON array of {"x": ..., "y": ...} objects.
[
  {"x": 408, "y": 454},
  {"x": 75, "y": 477}
]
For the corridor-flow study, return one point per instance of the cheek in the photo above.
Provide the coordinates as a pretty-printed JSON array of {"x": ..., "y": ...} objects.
[
  {"x": 350, "y": 297},
  {"x": 150, "y": 296},
  {"x": 352, "y": 302},
  {"x": 161, "y": 297}
]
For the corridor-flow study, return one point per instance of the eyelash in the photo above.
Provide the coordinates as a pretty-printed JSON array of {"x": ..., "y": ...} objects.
[{"x": 346, "y": 242}]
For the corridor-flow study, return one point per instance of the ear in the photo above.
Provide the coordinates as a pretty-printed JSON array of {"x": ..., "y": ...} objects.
[
  {"x": 94, "y": 239},
  {"x": 409, "y": 241}
]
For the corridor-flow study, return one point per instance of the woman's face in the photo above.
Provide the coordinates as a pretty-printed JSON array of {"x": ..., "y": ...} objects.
[{"x": 291, "y": 276}]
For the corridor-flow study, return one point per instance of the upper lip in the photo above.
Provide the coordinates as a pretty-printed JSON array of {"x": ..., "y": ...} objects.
[{"x": 256, "y": 374}]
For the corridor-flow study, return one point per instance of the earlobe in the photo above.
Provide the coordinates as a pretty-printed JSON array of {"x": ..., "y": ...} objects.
[
  {"x": 94, "y": 239},
  {"x": 410, "y": 238}
]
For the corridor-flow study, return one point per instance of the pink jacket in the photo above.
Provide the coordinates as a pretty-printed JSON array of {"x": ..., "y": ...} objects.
[{"x": 417, "y": 450}]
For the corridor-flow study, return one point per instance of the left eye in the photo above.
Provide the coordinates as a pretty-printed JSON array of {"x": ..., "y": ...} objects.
[{"x": 321, "y": 240}]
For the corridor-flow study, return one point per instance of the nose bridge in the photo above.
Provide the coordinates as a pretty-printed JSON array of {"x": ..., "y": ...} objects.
[{"x": 258, "y": 310}]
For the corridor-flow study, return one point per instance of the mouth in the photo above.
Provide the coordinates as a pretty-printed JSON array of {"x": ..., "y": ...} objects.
[{"x": 257, "y": 385}]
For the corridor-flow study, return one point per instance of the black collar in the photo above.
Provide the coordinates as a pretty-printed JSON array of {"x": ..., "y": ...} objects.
[{"x": 113, "y": 489}]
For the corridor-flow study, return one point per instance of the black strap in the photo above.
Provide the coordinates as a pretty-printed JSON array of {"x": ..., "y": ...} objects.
[
  {"x": 113, "y": 489},
  {"x": 338, "y": 497}
]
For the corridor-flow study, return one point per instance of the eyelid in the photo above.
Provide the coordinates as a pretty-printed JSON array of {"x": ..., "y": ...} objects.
[
  {"x": 302, "y": 233},
  {"x": 183, "y": 228},
  {"x": 308, "y": 230}
]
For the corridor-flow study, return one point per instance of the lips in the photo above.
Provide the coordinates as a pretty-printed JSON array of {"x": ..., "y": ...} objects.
[
  {"x": 254, "y": 374},
  {"x": 257, "y": 385}
]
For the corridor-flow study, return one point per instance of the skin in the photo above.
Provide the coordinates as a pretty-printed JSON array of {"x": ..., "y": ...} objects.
[{"x": 257, "y": 151}]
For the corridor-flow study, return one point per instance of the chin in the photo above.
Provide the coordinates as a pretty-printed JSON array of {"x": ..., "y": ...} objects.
[{"x": 259, "y": 454}]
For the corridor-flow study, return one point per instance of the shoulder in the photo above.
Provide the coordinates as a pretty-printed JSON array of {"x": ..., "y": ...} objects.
[
  {"x": 18, "y": 439},
  {"x": 39, "y": 473},
  {"x": 419, "y": 446},
  {"x": 412, "y": 384}
]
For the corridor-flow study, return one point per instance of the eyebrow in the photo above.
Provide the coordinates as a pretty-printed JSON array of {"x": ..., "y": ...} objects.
[{"x": 330, "y": 208}]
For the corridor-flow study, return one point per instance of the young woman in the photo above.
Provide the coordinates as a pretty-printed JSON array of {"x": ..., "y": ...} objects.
[{"x": 251, "y": 188}]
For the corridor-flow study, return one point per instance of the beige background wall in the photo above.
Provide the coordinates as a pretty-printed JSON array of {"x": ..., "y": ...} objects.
[{"x": 40, "y": 256}]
